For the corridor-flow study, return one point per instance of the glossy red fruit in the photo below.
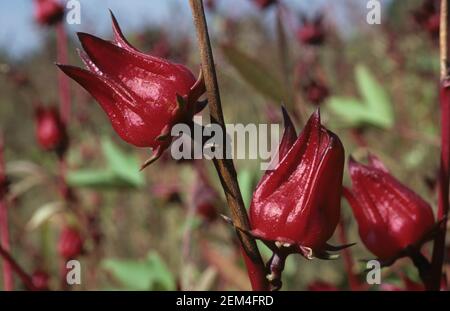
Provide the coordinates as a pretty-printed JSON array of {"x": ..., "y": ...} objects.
[
  {"x": 40, "y": 280},
  {"x": 264, "y": 4},
  {"x": 50, "y": 130},
  {"x": 48, "y": 12},
  {"x": 70, "y": 243},
  {"x": 390, "y": 216},
  {"x": 311, "y": 32},
  {"x": 297, "y": 204},
  {"x": 143, "y": 95}
]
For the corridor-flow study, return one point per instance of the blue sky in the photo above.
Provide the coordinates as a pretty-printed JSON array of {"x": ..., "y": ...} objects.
[{"x": 21, "y": 36}]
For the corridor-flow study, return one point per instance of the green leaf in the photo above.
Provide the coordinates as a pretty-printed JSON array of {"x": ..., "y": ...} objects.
[
  {"x": 375, "y": 107},
  {"x": 352, "y": 110},
  {"x": 255, "y": 74},
  {"x": 122, "y": 171},
  {"x": 124, "y": 165},
  {"x": 148, "y": 274},
  {"x": 88, "y": 178},
  {"x": 375, "y": 97}
]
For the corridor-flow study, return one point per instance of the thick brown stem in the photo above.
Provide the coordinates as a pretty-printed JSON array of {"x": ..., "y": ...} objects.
[{"x": 225, "y": 167}]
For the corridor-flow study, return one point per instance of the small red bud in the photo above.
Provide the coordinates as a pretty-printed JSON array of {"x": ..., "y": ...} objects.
[
  {"x": 264, "y": 4},
  {"x": 312, "y": 31},
  {"x": 40, "y": 279},
  {"x": 48, "y": 12},
  {"x": 205, "y": 199},
  {"x": 316, "y": 92},
  {"x": 50, "y": 130},
  {"x": 427, "y": 16},
  {"x": 70, "y": 244}
]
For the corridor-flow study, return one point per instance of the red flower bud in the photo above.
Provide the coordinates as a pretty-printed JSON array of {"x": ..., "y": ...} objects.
[
  {"x": 143, "y": 96},
  {"x": 390, "y": 216},
  {"x": 311, "y": 32},
  {"x": 298, "y": 203},
  {"x": 264, "y": 4},
  {"x": 50, "y": 131},
  {"x": 316, "y": 92},
  {"x": 40, "y": 279},
  {"x": 48, "y": 12},
  {"x": 70, "y": 243}
]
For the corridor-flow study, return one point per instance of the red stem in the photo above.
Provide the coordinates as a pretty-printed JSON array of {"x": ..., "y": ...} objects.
[
  {"x": 63, "y": 80},
  {"x": 8, "y": 281},
  {"x": 348, "y": 258},
  {"x": 443, "y": 182},
  {"x": 443, "y": 192},
  {"x": 26, "y": 279}
]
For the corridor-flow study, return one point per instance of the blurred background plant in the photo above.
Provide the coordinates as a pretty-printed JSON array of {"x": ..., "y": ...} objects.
[{"x": 158, "y": 229}]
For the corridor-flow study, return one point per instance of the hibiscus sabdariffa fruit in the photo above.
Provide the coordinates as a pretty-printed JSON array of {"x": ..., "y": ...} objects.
[
  {"x": 393, "y": 220},
  {"x": 142, "y": 95},
  {"x": 296, "y": 205}
]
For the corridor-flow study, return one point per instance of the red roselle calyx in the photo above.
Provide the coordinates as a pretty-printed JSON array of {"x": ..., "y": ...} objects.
[
  {"x": 51, "y": 132},
  {"x": 70, "y": 243},
  {"x": 296, "y": 206},
  {"x": 48, "y": 12},
  {"x": 392, "y": 219},
  {"x": 143, "y": 95},
  {"x": 312, "y": 31}
]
